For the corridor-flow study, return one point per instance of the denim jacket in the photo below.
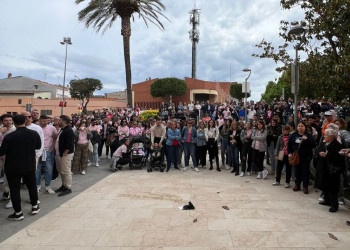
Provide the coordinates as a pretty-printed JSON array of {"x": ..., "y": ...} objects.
[
  {"x": 201, "y": 140},
  {"x": 193, "y": 134},
  {"x": 173, "y": 135}
]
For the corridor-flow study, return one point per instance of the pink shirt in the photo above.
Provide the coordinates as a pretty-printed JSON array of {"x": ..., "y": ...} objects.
[
  {"x": 188, "y": 139},
  {"x": 83, "y": 137},
  {"x": 49, "y": 132},
  {"x": 121, "y": 130},
  {"x": 257, "y": 143},
  {"x": 135, "y": 131},
  {"x": 119, "y": 152},
  {"x": 249, "y": 133}
]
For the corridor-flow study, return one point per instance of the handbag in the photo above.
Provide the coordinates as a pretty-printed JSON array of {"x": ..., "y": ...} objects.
[
  {"x": 91, "y": 148},
  {"x": 281, "y": 155},
  {"x": 295, "y": 160}
]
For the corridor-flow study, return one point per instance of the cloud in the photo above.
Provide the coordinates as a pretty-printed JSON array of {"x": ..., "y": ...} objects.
[{"x": 229, "y": 31}]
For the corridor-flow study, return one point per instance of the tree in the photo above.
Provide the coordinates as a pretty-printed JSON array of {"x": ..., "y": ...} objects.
[
  {"x": 83, "y": 90},
  {"x": 326, "y": 71},
  {"x": 274, "y": 89},
  {"x": 103, "y": 13},
  {"x": 236, "y": 91},
  {"x": 168, "y": 87}
]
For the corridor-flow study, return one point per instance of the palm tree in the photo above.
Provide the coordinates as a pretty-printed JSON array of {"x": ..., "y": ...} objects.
[{"x": 103, "y": 13}]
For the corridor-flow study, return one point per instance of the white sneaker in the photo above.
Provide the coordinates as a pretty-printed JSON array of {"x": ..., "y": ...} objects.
[
  {"x": 38, "y": 188},
  {"x": 276, "y": 184},
  {"x": 227, "y": 167},
  {"x": 242, "y": 174},
  {"x": 108, "y": 157},
  {"x": 89, "y": 164},
  {"x": 97, "y": 165},
  {"x": 83, "y": 172},
  {"x": 8, "y": 205},
  {"x": 264, "y": 174},
  {"x": 287, "y": 185},
  {"x": 196, "y": 169},
  {"x": 184, "y": 169},
  {"x": 321, "y": 199},
  {"x": 1, "y": 179},
  {"x": 49, "y": 190},
  {"x": 259, "y": 176},
  {"x": 248, "y": 173}
]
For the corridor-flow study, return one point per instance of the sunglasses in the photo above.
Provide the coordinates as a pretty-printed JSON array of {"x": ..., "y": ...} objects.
[{"x": 29, "y": 116}]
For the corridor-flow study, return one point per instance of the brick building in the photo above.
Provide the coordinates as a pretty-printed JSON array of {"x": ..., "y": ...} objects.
[{"x": 197, "y": 90}]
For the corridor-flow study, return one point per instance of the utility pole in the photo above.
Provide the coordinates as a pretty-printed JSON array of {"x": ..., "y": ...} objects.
[{"x": 194, "y": 37}]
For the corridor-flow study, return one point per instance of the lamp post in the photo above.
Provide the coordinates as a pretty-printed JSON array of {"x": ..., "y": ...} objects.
[
  {"x": 245, "y": 94},
  {"x": 296, "y": 31},
  {"x": 66, "y": 41}
]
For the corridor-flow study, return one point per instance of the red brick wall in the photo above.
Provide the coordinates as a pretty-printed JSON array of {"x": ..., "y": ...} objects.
[{"x": 143, "y": 98}]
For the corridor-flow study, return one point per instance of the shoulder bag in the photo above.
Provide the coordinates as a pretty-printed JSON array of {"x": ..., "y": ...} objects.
[{"x": 295, "y": 160}]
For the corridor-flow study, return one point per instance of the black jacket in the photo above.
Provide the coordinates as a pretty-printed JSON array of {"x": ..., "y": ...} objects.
[
  {"x": 19, "y": 148},
  {"x": 66, "y": 140},
  {"x": 103, "y": 129}
]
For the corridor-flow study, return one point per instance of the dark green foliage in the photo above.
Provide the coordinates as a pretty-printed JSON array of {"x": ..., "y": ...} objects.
[
  {"x": 236, "y": 91},
  {"x": 168, "y": 87},
  {"x": 83, "y": 90}
]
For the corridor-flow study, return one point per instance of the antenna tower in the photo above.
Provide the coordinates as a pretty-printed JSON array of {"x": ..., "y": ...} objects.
[{"x": 194, "y": 37}]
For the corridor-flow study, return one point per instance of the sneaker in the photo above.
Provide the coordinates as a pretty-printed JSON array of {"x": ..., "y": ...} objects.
[
  {"x": 108, "y": 157},
  {"x": 15, "y": 217},
  {"x": 6, "y": 196},
  {"x": 259, "y": 176},
  {"x": 1, "y": 179},
  {"x": 227, "y": 167},
  {"x": 321, "y": 199},
  {"x": 287, "y": 185},
  {"x": 61, "y": 189},
  {"x": 35, "y": 210},
  {"x": 39, "y": 188},
  {"x": 248, "y": 173},
  {"x": 242, "y": 174},
  {"x": 89, "y": 164},
  {"x": 184, "y": 169},
  {"x": 65, "y": 192},
  {"x": 8, "y": 205},
  {"x": 264, "y": 174},
  {"x": 276, "y": 184},
  {"x": 83, "y": 172},
  {"x": 196, "y": 169},
  {"x": 341, "y": 202},
  {"x": 49, "y": 190},
  {"x": 97, "y": 165}
]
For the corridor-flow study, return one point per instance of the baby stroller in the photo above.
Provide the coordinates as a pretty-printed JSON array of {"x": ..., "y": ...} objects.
[
  {"x": 156, "y": 159},
  {"x": 137, "y": 156}
]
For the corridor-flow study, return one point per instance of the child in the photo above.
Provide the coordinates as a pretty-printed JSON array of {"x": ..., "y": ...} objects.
[{"x": 281, "y": 145}]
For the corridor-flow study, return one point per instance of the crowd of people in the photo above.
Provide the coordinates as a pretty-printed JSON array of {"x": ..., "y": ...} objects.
[{"x": 267, "y": 142}]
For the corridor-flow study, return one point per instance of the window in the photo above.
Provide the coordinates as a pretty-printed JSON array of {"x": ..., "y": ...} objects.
[
  {"x": 19, "y": 101},
  {"x": 46, "y": 112}
]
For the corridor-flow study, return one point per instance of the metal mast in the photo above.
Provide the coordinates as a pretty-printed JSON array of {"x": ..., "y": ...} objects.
[{"x": 194, "y": 37}]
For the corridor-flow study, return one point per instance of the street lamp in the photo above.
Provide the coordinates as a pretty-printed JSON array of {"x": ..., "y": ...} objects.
[
  {"x": 296, "y": 31},
  {"x": 245, "y": 94},
  {"x": 66, "y": 41}
]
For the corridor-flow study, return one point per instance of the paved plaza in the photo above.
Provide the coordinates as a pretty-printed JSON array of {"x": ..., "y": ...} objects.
[{"x": 139, "y": 210}]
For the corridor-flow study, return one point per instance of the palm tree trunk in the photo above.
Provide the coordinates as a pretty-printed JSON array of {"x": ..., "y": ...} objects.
[{"x": 126, "y": 33}]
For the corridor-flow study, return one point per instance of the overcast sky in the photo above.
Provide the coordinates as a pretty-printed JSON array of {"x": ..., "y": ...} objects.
[{"x": 229, "y": 29}]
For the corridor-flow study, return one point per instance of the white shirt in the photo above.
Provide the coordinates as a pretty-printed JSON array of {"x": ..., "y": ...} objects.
[
  {"x": 198, "y": 106},
  {"x": 40, "y": 131},
  {"x": 190, "y": 106}
]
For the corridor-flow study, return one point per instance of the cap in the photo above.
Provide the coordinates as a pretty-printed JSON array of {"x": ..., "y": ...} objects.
[{"x": 328, "y": 113}]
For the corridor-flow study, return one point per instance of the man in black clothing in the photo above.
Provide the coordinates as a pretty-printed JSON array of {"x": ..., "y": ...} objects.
[
  {"x": 64, "y": 154},
  {"x": 20, "y": 162},
  {"x": 104, "y": 135}
]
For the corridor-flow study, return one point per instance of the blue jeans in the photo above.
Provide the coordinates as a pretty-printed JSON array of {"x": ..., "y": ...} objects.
[
  {"x": 224, "y": 147},
  {"x": 234, "y": 155},
  {"x": 50, "y": 157},
  {"x": 172, "y": 154},
  {"x": 94, "y": 155},
  {"x": 190, "y": 150}
]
